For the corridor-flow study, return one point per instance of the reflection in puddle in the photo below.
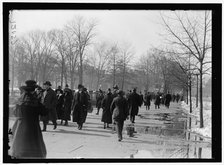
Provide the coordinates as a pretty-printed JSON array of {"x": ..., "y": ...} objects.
[{"x": 172, "y": 133}]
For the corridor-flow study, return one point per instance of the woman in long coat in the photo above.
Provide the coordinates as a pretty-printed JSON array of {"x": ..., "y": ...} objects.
[
  {"x": 79, "y": 107},
  {"x": 27, "y": 136},
  {"x": 106, "y": 102}
]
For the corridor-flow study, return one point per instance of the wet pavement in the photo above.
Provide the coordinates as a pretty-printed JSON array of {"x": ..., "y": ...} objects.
[{"x": 160, "y": 133}]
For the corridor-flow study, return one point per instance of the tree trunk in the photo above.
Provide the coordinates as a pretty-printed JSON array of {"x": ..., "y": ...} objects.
[
  {"x": 187, "y": 97},
  {"x": 114, "y": 72},
  {"x": 80, "y": 70},
  {"x": 201, "y": 98},
  {"x": 190, "y": 98},
  {"x": 197, "y": 93},
  {"x": 62, "y": 71},
  {"x": 123, "y": 77}
]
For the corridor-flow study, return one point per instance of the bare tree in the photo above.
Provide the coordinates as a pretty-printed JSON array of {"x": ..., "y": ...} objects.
[
  {"x": 82, "y": 32},
  {"x": 126, "y": 54},
  {"x": 194, "y": 37}
]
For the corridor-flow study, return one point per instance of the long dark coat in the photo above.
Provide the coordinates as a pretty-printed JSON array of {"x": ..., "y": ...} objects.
[
  {"x": 50, "y": 102},
  {"x": 168, "y": 99},
  {"x": 148, "y": 99},
  {"x": 119, "y": 108},
  {"x": 157, "y": 100},
  {"x": 67, "y": 104},
  {"x": 99, "y": 98},
  {"x": 79, "y": 107},
  {"x": 27, "y": 136},
  {"x": 107, "y": 115},
  {"x": 59, "y": 107},
  {"x": 134, "y": 101}
]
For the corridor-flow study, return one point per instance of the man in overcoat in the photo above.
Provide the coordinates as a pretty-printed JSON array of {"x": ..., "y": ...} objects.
[
  {"x": 134, "y": 101},
  {"x": 49, "y": 100},
  {"x": 119, "y": 110},
  {"x": 79, "y": 106}
]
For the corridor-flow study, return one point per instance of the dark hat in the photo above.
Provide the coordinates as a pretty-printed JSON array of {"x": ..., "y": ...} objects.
[
  {"x": 66, "y": 85},
  {"x": 31, "y": 83},
  {"x": 115, "y": 87},
  {"x": 80, "y": 86},
  {"x": 59, "y": 87},
  {"x": 47, "y": 83},
  {"x": 109, "y": 89}
]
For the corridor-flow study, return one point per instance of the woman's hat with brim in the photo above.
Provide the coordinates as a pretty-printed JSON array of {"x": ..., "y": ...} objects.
[
  {"x": 30, "y": 85},
  {"x": 47, "y": 83}
]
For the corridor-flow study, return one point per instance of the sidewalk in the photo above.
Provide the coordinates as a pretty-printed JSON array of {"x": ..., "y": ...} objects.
[{"x": 159, "y": 134}]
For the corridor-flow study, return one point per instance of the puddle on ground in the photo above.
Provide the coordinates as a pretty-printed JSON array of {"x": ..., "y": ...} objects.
[{"x": 174, "y": 126}]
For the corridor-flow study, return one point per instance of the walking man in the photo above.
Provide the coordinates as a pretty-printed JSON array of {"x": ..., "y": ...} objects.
[
  {"x": 167, "y": 100},
  {"x": 119, "y": 109},
  {"x": 134, "y": 101},
  {"x": 49, "y": 100}
]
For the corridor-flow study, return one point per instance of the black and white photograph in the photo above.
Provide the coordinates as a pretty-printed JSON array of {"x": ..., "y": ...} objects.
[{"x": 111, "y": 82}]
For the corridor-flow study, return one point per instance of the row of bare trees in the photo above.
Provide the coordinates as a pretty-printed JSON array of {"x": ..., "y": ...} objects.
[{"x": 72, "y": 55}]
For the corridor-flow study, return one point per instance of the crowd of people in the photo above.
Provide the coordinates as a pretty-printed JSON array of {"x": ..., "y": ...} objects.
[{"x": 45, "y": 104}]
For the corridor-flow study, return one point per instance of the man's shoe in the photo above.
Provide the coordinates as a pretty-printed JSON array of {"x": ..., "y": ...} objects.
[{"x": 43, "y": 130}]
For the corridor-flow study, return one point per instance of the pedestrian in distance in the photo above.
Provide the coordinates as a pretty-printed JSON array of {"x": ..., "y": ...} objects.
[
  {"x": 27, "y": 142},
  {"x": 49, "y": 100},
  {"x": 148, "y": 101},
  {"x": 119, "y": 110},
  {"x": 157, "y": 101},
  {"x": 60, "y": 104},
  {"x": 106, "y": 103},
  {"x": 68, "y": 97},
  {"x": 168, "y": 99},
  {"x": 134, "y": 102},
  {"x": 99, "y": 98},
  {"x": 79, "y": 106}
]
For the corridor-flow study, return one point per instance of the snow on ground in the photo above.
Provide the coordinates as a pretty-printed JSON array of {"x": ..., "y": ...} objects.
[{"x": 206, "y": 131}]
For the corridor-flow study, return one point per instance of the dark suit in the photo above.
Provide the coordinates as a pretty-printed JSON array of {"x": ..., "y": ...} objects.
[
  {"x": 119, "y": 109},
  {"x": 134, "y": 101}
]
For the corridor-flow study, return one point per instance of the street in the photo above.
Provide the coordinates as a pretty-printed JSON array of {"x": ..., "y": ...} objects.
[{"x": 160, "y": 134}]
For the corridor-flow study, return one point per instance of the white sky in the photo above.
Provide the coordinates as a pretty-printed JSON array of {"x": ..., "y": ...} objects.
[{"x": 140, "y": 28}]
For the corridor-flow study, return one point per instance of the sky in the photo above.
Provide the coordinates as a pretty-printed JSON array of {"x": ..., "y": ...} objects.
[{"x": 139, "y": 28}]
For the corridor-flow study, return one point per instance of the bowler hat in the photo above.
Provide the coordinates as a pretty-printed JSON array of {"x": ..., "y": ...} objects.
[{"x": 47, "y": 83}]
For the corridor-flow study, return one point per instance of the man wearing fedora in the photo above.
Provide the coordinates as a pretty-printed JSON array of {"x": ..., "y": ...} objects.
[{"x": 49, "y": 100}]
